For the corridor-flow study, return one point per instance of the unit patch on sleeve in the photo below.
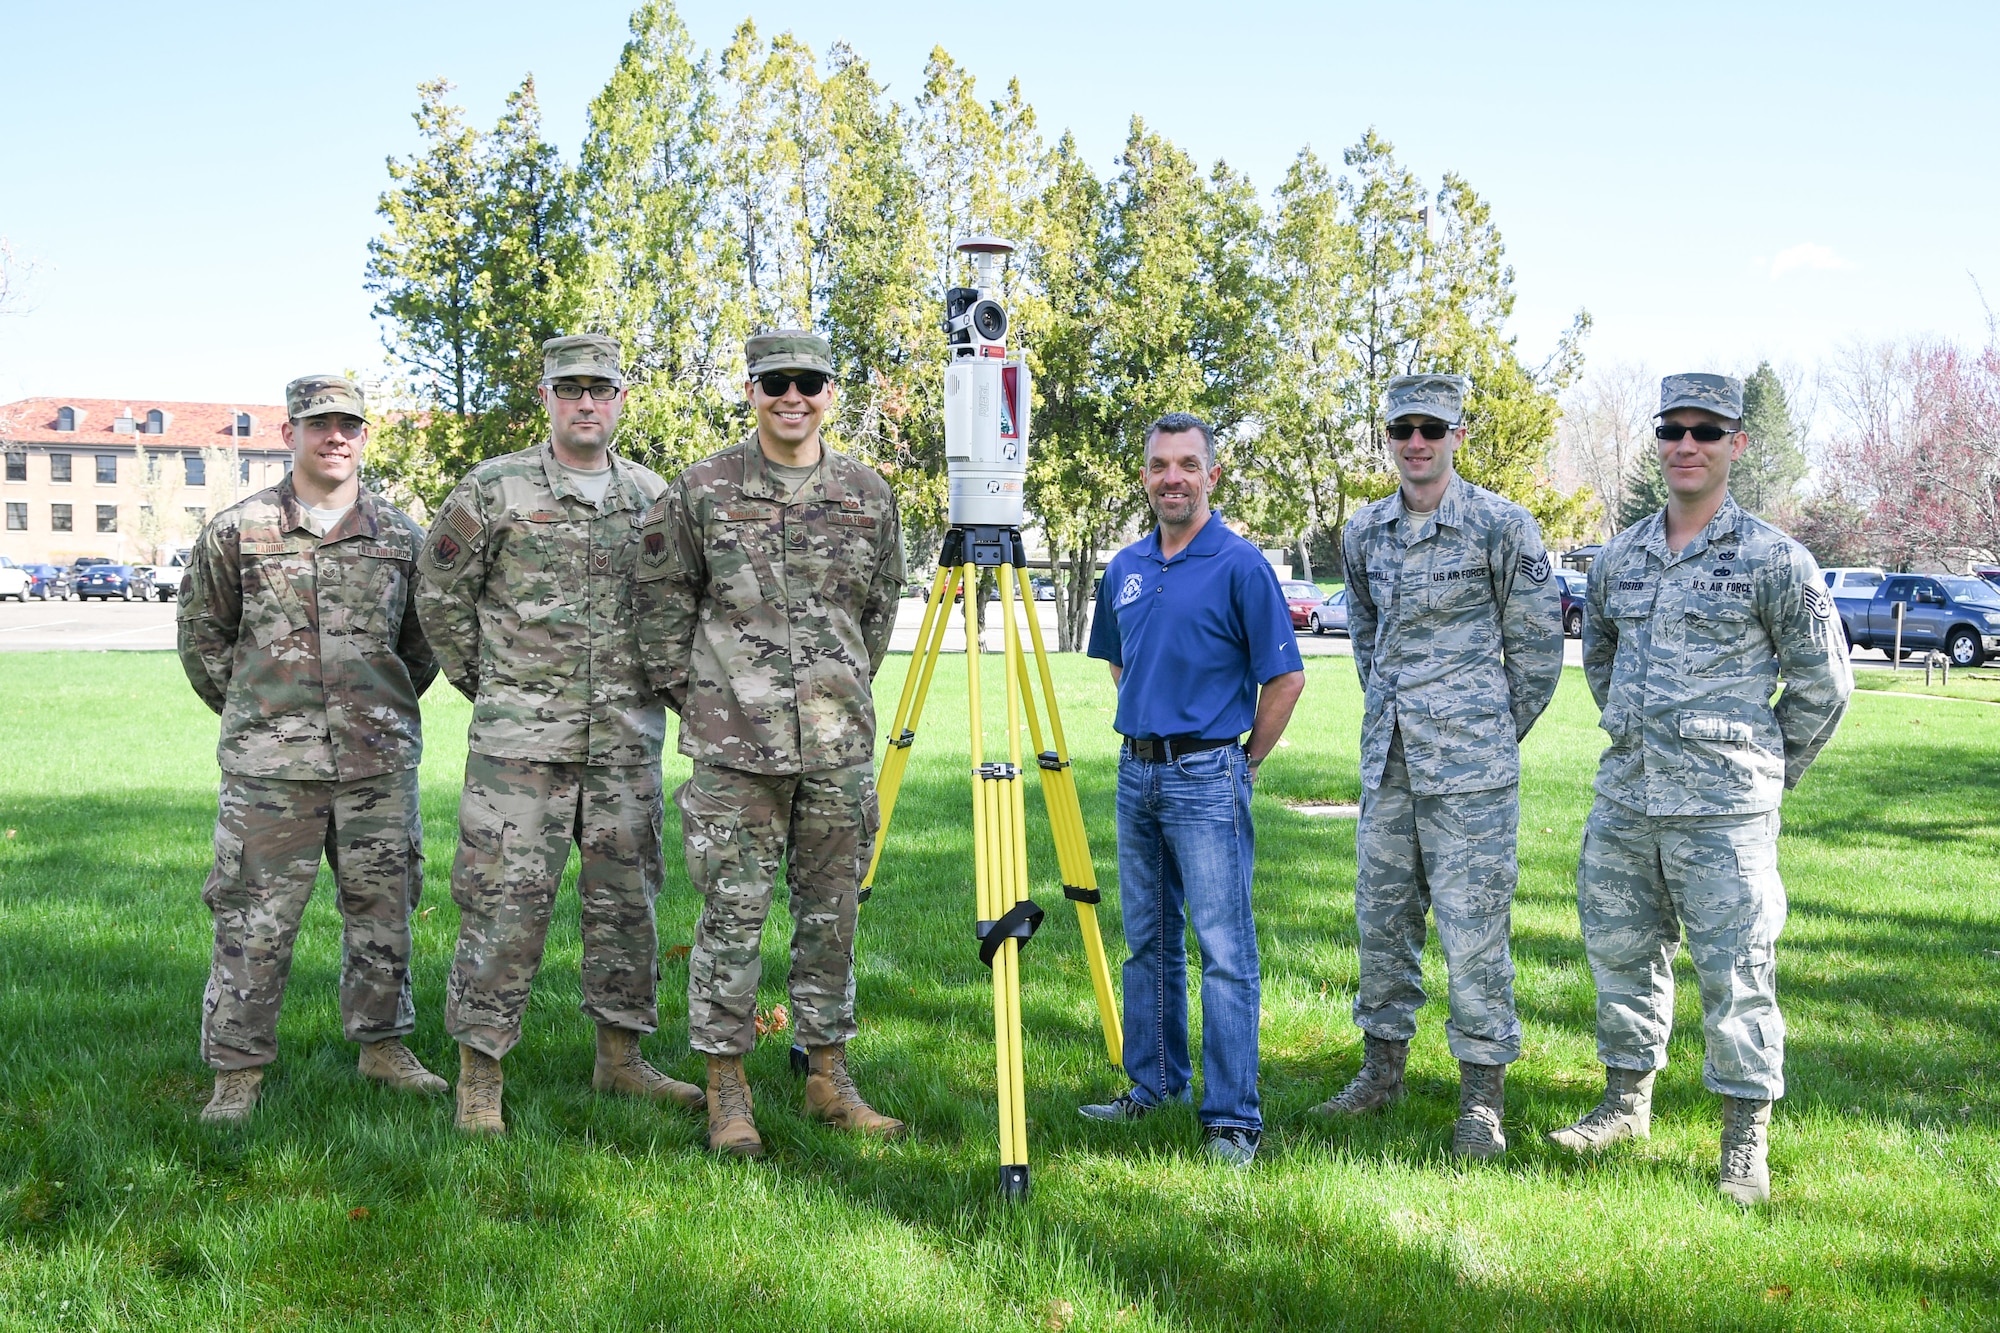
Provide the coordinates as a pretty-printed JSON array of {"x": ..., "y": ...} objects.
[
  {"x": 656, "y": 547},
  {"x": 445, "y": 551}
]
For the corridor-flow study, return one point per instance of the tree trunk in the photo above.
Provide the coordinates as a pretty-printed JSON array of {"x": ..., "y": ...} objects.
[
  {"x": 1304, "y": 569},
  {"x": 1073, "y": 585}
]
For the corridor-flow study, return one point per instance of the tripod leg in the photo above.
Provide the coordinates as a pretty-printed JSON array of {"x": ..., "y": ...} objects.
[
  {"x": 910, "y": 710},
  {"x": 1079, "y": 873},
  {"x": 1014, "y": 889}
]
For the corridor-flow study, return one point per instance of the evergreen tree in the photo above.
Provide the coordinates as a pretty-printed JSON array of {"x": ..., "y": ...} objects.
[
  {"x": 1766, "y": 478},
  {"x": 1645, "y": 493}
]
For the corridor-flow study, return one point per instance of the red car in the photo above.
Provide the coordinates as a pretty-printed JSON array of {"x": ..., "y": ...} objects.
[{"x": 1301, "y": 597}]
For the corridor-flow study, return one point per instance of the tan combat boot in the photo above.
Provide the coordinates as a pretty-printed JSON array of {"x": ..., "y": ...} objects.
[
  {"x": 1379, "y": 1084},
  {"x": 479, "y": 1088},
  {"x": 1625, "y": 1113},
  {"x": 1746, "y": 1169},
  {"x": 731, "y": 1129},
  {"x": 621, "y": 1068},
  {"x": 235, "y": 1096},
  {"x": 832, "y": 1097},
  {"x": 1482, "y": 1098},
  {"x": 390, "y": 1062}
]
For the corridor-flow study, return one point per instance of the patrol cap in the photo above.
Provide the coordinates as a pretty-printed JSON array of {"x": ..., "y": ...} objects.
[
  {"x": 319, "y": 395},
  {"x": 1440, "y": 396},
  {"x": 1720, "y": 394},
  {"x": 787, "y": 349},
  {"x": 581, "y": 354}
]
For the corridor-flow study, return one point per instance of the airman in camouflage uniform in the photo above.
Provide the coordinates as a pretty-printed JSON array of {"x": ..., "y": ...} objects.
[
  {"x": 767, "y": 585},
  {"x": 1684, "y": 648},
  {"x": 526, "y": 593},
  {"x": 297, "y": 626},
  {"x": 1456, "y": 624}
]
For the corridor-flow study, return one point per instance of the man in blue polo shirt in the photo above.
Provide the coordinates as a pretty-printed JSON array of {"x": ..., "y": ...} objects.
[{"x": 1192, "y": 621}]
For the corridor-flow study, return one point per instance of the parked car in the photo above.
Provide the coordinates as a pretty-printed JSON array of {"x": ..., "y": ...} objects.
[
  {"x": 1572, "y": 585},
  {"x": 51, "y": 582},
  {"x": 1959, "y": 615},
  {"x": 1852, "y": 584},
  {"x": 14, "y": 580},
  {"x": 1988, "y": 573},
  {"x": 1330, "y": 616},
  {"x": 126, "y": 582},
  {"x": 167, "y": 577},
  {"x": 1301, "y": 597},
  {"x": 1044, "y": 589}
]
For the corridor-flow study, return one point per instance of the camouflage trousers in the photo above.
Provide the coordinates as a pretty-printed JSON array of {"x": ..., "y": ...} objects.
[
  {"x": 1452, "y": 855},
  {"x": 516, "y": 822},
  {"x": 1643, "y": 880},
  {"x": 270, "y": 834},
  {"x": 736, "y": 827}
]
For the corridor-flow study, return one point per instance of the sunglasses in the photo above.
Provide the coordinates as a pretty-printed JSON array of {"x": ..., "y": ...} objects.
[
  {"x": 599, "y": 393},
  {"x": 777, "y": 383},
  {"x": 1403, "y": 430},
  {"x": 1704, "y": 434}
]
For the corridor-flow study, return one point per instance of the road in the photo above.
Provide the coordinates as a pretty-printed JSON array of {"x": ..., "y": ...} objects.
[{"x": 42, "y": 627}]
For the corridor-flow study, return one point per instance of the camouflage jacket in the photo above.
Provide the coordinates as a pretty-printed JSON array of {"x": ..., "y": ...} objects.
[
  {"x": 308, "y": 646},
  {"x": 1683, "y": 653},
  {"x": 1456, "y": 620},
  {"x": 526, "y": 592},
  {"x": 763, "y": 623}
]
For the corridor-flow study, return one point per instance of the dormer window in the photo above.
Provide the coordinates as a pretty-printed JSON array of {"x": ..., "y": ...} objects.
[
  {"x": 65, "y": 418},
  {"x": 122, "y": 424},
  {"x": 156, "y": 422},
  {"x": 245, "y": 426}
]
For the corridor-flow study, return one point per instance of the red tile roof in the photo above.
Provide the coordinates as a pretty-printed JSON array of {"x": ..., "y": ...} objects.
[{"x": 188, "y": 425}]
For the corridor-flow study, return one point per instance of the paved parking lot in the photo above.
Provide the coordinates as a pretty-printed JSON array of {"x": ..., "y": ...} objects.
[{"x": 42, "y": 627}]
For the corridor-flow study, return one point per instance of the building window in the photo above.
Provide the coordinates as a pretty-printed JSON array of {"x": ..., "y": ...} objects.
[
  {"x": 58, "y": 467},
  {"x": 107, "y": 468},
  {"x": 156, "y": 422},
  {"x": 17, "y": 467},
  {"x": 66, "y": 418},
  {"x": 243, "y": 472},
  {"x": 245, "y": 425},
  {"x": 107, "y": 518},
  {"x": 59, "y": 518},
  {"x": 197, "y": 469},
  {"x": 17, "y": 516}
]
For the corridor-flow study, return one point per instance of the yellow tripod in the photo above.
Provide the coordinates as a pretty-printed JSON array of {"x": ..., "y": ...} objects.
[{"x": 1008, "y": 917}]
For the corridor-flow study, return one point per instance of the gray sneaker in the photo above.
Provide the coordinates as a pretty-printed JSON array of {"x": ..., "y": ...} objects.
[
  {"x": 1124, "y": 1108},
  {"x": 1233, "y": 1146}
]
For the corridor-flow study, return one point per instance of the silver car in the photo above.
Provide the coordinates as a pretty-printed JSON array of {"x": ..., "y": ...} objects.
[{"x": 1330, "y": 616}]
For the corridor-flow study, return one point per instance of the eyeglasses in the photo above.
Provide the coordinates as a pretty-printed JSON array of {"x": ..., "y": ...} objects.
[
  {"x": 599, "y": 393},
  {"x": 1403, "y": 430},
  {"x": 777, "y": 383},
  {"x": 1705, "y": 434}
]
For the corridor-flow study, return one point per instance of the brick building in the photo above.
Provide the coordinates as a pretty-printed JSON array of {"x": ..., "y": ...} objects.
[{"x": 128, "y": 480}]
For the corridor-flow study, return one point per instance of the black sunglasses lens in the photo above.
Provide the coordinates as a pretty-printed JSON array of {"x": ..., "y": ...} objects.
[
  {"x": 1434, "y": 430},
  {"x": 1703, "y": 434},
  {"x": 1403, "y": 430},
  {"x": 776, "y": 384}
]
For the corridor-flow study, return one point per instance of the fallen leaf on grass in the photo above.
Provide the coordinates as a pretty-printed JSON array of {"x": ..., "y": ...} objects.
[
  {"x": 675, "y": 953},
  {"x": 1060, "y": 1313},
  {"x": 774, "y": 1019},
  {"x": 10, "y": 833},
  {"x": 1780, "y": 1292},
  {"x": 357, "y": 1214}
]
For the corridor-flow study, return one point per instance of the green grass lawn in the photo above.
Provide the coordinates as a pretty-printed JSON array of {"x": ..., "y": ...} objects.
[
  {"x": 1981, "y": 684},
  {"x": 343, "y": 1204}
]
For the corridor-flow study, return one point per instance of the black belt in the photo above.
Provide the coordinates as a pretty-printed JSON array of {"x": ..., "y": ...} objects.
[{"x": 1167, "y": 750}]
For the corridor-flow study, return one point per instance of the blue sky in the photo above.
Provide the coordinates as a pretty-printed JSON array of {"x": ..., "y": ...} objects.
[{"x": 195, "y": 185}]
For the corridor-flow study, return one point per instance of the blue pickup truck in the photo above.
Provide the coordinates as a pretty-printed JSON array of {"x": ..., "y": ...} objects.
[{"x": 1961, "y": 616}]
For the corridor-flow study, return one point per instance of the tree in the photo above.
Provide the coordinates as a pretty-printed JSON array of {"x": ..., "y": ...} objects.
[
  {"x": 1605, "y": 436},
  {"x": 1766, "y": 478},
  {"x": 1645, "y": 492},
  {"x": 478, "y": 266}
]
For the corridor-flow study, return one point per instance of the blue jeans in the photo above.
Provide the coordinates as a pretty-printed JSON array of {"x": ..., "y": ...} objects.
[{"x": 1185, "y": 849}]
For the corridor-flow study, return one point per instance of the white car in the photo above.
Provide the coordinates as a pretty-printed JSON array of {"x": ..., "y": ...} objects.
[
  {"x": 1853, "y": 584},
  {"x": 167, "y": 577},
  {"x": 14, "y": 580}
]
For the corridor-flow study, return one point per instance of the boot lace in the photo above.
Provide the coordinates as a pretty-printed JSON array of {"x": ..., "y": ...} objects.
[{"x": 732, "y": 1096}]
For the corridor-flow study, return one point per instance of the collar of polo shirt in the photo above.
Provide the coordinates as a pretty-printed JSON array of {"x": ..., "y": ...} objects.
[{"x": 1206, "y": 542}]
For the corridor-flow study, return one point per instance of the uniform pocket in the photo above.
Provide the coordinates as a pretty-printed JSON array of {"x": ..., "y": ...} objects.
[
  {"x": 478, "y": 871},
  {"x": 224, "y": 887}
]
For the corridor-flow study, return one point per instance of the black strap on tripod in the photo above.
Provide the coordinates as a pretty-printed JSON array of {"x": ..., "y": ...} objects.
[{"x": 1019, "y": 922}]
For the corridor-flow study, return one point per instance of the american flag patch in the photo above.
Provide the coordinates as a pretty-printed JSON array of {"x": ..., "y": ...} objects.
[{"x": 460, "y": 520}]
